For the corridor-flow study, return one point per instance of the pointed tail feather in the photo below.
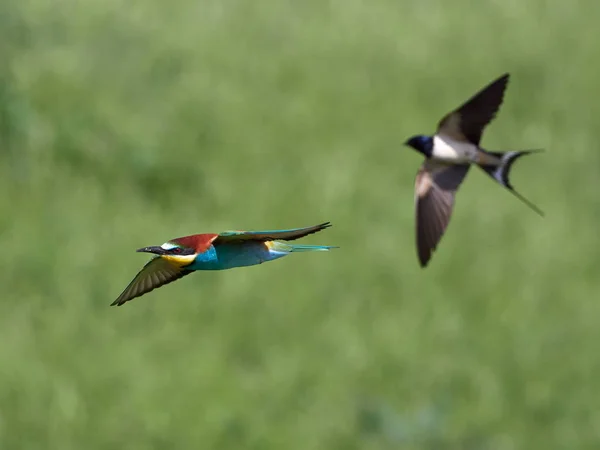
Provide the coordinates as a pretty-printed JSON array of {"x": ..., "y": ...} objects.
[
  {"x": 311, "y": 248},
  {"x": 501, "y": 172},
  {"x": 284, "y": 247}
]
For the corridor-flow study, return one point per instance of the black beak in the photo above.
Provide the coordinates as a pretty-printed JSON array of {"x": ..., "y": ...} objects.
[{"x": 155, "y": 250}]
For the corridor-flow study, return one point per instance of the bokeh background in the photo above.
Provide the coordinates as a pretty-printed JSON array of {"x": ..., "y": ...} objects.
[{"x": 124, "y": 124}]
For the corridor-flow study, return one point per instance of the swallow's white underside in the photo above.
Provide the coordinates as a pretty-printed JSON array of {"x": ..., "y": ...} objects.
[{"x": 449, "y": 150}]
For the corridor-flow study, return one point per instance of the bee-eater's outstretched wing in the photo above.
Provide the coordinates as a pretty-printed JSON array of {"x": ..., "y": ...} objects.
[
  {"x": 283, "y": 235},
  {"x": 155, "y": 273}
]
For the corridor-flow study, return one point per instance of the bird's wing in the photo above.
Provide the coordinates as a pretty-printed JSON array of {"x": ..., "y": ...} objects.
[
  {"x": 156, "y": 273},
  {"x": 435, "y": 187},
  {"x": 262, "y": 236},
  {"x": 466, "y": 123}
]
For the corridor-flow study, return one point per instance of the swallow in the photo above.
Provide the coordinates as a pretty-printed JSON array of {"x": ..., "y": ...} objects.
[
  {"x": 449, "y": 154},
  {"x": 179, "y": 257}
]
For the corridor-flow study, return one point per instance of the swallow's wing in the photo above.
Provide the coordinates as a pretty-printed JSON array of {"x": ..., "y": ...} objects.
[
  {"x": 155, "y": 273},
  {"x": 435, "y": 187},
  {"x": 262, "y": 236},
  {"x": 467, "y": 122}
]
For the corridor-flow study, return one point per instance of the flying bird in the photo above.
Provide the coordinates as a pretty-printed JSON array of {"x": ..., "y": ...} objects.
[
  {"x": 180, "y": 257},
  {"x": 449, "y": 154}
]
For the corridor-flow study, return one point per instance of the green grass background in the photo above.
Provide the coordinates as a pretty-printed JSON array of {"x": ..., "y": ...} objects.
[{"x": 124, "y": 124}]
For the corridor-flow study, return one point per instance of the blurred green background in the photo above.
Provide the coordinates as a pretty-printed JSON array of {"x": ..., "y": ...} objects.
[{"x": 124, "y": 124}]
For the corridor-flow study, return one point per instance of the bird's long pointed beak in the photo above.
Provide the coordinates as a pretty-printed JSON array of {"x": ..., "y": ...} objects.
[{"x": 157, "y": 250}]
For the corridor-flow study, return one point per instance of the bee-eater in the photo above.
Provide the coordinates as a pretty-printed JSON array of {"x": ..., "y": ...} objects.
[
  {"x": 449, "y": 154},
  {"x": 179, "y": 257}
]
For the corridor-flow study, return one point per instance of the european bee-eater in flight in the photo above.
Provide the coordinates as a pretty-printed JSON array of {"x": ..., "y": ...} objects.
[
  {"x": 182, "y": 256},
  {"x": 449, "y": 154}
]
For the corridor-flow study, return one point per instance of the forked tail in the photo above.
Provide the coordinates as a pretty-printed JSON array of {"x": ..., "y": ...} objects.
[{"x": 500, "y": 173}]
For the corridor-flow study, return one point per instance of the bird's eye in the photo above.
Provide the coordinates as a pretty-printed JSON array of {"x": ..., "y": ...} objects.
[{"x": 176, "y": 250}]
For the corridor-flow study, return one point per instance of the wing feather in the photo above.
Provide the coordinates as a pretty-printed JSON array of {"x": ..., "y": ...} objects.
[
  {"x": 435, "y": 187},
  {"x": 154, "y": 274},
  {"x": 468, "y": 121},
  {"x": 262, "y": 236}
]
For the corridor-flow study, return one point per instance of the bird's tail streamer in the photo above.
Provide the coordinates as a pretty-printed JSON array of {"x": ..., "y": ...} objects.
[
  {"x": 278, "y": 246},
  {"x": 501, "y": 172}
]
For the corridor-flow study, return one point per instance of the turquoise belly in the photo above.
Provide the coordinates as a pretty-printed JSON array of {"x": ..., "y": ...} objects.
[{"x": 228, "y": 256}]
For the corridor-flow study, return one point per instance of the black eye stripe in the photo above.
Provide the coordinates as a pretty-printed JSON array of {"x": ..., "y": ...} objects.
[{"x": 181, "y": 251}]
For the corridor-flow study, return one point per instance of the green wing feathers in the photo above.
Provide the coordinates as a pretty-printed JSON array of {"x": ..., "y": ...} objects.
[{"x": 263, "y": 236}]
